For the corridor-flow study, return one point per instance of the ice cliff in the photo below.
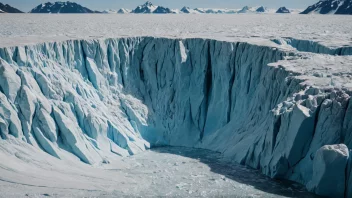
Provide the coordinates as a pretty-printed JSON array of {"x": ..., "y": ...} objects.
[{"x": 93, "y": 99}]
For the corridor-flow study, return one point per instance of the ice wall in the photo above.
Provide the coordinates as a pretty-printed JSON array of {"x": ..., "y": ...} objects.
[{"x": 92, "y": 99}]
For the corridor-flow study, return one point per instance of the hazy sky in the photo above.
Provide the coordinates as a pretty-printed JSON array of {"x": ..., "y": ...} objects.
[{"x": 27, "y": 5}]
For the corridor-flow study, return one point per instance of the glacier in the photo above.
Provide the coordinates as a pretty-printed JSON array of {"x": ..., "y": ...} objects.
[{"x": 260, "y": 106}]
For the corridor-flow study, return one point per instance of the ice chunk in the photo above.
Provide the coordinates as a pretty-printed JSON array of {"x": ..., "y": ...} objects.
[
  {"x": 10, "y": 83},
  {"x": 329, "y": 168}
]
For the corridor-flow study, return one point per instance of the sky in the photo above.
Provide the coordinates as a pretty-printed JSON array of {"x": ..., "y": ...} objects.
[{"x": 27, "y": 5}]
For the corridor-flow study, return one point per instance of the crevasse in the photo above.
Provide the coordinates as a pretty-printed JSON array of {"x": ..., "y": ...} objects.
[{"x": 98, "y": 98}]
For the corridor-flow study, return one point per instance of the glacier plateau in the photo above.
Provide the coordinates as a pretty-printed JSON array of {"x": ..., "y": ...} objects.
[{"x": 282, "y": 108}]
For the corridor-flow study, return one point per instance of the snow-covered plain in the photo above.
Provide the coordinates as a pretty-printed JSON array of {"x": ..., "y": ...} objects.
[
  {"x": 268, "y": 91},
  {"x": 162, "y": 172},
  {"x": 32, "y": 28}
]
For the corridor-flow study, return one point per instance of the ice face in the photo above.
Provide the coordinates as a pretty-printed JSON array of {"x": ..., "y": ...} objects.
[
  {"x": 258, "y": 105},
  {"x": 329, "y": 170}
]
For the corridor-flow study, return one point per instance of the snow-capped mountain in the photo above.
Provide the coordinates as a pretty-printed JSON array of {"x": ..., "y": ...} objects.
[
  {"x": 247, "y": 9},
  {"x": 214, "y": 11},
  {"x": 206, "y": 10},
  {"x": 188, "y": 10},
  {"x": 330, "y": 7},
  {"x": 148, "y": 7},
  {"x": 6, "y": 8},
  {"x": 163, "y": 10},
  {"x": 261, "y": 9},
  {"x": 61, "y": 7},
  {"x": 120, "y": 11},
  {"x": 176, "y": 11},
  {"x": 123, "y": 11},
  {"x": 283, "y": 10},
  {"x": 256, "y": 9},
  {"x": 200, "y": 10}
]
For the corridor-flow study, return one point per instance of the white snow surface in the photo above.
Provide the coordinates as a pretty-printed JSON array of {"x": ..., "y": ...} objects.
[
  {"x": 166, "y": 172},
  {"x": 332, "y": 31},
  {"x": 269, "y": 91}
]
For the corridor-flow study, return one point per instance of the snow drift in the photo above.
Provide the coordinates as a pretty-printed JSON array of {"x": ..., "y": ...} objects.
[{"x": 94, "y": 99}]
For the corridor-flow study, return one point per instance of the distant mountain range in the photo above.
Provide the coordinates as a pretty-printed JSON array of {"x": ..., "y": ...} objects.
[
  {"x": 330, "y": 7},
  {"x": 5, "y": 8},
  {"x": 61, "y": 7},
  {"x": 322, "y": 7},
  {"x": 149, "y": 8}
]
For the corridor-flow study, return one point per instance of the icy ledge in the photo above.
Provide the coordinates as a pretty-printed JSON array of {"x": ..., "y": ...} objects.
[
  {"x": 284, "y": 112},
  {"x": 314, "y": 46}
]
